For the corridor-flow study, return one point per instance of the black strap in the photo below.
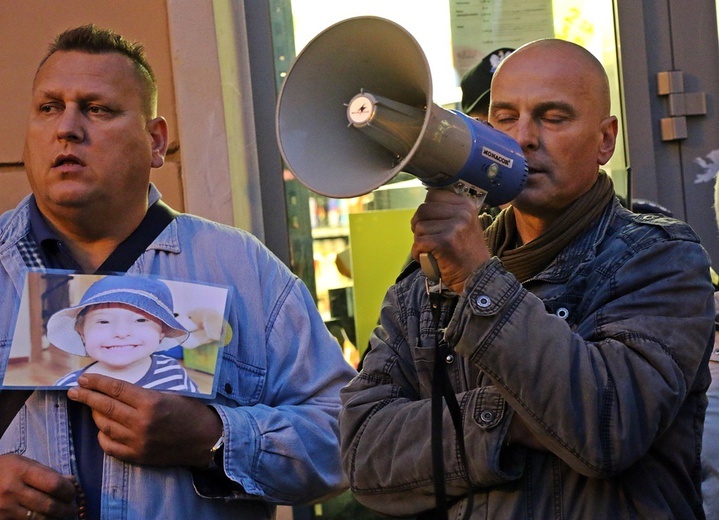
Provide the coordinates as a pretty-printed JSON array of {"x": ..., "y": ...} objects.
[
  {"x": 442, "y": 388},
  {"x": 10, "y": 403},
  {"x": 156, "y": 219}
]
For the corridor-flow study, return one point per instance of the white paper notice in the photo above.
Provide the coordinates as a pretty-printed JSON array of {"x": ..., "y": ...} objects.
[{"x": 481, "y": 26}]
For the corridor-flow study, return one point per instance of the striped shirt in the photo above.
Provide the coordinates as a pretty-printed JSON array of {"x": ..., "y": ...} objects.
[{"x": 165, "y": 373}]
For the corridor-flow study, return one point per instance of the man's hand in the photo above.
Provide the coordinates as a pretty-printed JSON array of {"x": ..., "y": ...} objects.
[
  {"x": 446, "y": 225},
  {"x": 145, "y": 426},
  {"x": 28, "y": 487}
]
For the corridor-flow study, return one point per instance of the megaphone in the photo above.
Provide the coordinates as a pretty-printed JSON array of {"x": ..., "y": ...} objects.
[{"x": 356, "y": 108}]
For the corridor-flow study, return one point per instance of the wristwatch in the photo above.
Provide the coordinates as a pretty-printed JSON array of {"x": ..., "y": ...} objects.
[{"x": 216, "y": 453}]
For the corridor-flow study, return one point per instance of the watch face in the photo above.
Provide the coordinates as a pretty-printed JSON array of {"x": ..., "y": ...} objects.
[
  {"x": 218, "y": 445},
  {"x": 216, "y": 457}
]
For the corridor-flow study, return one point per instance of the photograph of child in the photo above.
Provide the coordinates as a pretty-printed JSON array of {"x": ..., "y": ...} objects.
[
  {"x": 156, "y": 333},
  {"x": 121, "y": 323}
]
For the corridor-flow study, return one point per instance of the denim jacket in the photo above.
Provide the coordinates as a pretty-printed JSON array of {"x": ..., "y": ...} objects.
[
  {"x": 278, "y": 392},
  {"x": 603, "y": 355}
]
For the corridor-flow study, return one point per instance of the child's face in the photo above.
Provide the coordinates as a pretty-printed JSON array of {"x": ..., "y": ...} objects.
[{"x": 118, "y": 335}]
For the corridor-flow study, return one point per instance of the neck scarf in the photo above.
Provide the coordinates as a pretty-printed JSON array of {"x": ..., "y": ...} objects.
[{"x": 529, "y": 259}]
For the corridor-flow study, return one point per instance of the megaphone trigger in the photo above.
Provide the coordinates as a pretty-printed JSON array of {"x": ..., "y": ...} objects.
[{"x": 477, "y": 195}]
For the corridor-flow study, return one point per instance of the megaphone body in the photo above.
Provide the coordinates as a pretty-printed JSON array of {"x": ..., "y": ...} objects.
[{"x": 356, "y": 109}]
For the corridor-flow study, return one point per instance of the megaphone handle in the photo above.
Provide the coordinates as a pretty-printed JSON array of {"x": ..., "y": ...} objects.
[
  {"x": 426, "y": 260},
  {"x": 429, "y": 266}
]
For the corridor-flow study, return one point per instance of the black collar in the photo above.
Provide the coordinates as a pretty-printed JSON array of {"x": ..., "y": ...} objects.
[{"x": 56, "y": 256}]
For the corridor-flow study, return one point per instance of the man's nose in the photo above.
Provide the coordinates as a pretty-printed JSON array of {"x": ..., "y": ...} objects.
[
  {"x": 70, "y": 125},
  {"x": 526, "y": 133}
]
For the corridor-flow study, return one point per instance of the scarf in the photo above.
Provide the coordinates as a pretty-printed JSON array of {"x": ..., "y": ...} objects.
[{"x": 529, "y": 259}]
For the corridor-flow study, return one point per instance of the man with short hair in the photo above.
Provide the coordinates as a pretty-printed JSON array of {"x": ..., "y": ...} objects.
[
  {"x": 569, "y": 339},
  {"x": 110, "y": 449}
]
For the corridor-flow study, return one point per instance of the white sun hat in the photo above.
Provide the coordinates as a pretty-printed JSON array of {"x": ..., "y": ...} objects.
[{"x": 146, "y": 294}]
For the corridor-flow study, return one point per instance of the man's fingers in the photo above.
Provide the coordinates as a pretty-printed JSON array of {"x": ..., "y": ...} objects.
[
  {"x": 45, "y": 505},
  {"x": 115, "y": 388},
  {"x": 26, "y": 485},
  {"x": 119, "y": 448},
  {"x": 109, "y": 397},
  {"x": 48, "y": 482},
  {"x": 101, "y": 404}
]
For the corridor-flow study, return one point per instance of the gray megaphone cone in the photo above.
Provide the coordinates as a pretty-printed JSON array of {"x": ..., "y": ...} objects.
[{"x": 356, "y": 109}]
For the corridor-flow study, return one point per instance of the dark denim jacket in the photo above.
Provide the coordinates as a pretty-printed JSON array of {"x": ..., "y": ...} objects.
[{"x": 603, "y": 355}]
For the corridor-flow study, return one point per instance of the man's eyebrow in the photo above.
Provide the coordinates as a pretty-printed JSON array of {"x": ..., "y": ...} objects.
[
  {"x": 543, "y": 108},
  {"x": 540, "y": 108},
  {"x": 58, "y": 94},
  {"x": 46, "y": 93},
  {"x": 499, "y": 105}
]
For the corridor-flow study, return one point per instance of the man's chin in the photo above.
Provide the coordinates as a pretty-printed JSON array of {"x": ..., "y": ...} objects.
[
  {"x": 72, "y": 199},
  {"x": 530, "y": 197}
]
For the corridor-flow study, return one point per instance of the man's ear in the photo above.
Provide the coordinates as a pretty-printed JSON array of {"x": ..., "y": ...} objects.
[
  {"x": 608, "y": 128},
  {"x": 157, "y": 128}
]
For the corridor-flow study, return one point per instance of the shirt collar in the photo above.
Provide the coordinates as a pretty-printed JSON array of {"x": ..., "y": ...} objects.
[
  {"x": 40, "y": 229},
  {"x": 54, "y": 254}
]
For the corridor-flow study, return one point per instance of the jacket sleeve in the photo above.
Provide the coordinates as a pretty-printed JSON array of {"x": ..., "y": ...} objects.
[
  {"x": 600, "y": 392},
  {"x": 386, "y": 423},
  {"x": 285, "y": 447}
]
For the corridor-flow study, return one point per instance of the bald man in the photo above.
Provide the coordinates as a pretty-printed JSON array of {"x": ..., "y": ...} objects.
[{"x": 570, "y": 337}]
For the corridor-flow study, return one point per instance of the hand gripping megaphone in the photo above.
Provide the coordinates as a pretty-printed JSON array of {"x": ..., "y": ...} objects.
[{"x": 356, "y": 109}]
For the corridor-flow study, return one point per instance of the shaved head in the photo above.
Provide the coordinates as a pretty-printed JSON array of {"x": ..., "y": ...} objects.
[{"x": 574, "y": 57}]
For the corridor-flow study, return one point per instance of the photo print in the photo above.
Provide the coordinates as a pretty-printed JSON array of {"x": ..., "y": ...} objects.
[{"x": 156, "y": 333}]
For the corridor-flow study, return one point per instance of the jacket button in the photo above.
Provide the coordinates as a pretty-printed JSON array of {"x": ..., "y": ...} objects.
[
  {"x": 563, "y": 313},
  {"x": 449, "y": 359},
  {"x": 484, "y": 301},
  {"x": 228, "y": 388},
  {"x": 486, "y": 416}
]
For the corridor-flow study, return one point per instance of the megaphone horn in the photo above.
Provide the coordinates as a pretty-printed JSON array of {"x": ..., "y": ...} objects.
[{"x": 356, "y": 109}]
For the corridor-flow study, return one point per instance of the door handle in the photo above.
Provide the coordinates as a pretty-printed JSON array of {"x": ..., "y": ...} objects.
[{"x": 680, "y": 104}]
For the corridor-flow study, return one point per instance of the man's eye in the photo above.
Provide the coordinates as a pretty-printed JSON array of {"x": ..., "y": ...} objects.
[
  {"x": 48, "y": 108},
  {"x": 554, "y": 119},
  {"x": 97, "y": 110}
]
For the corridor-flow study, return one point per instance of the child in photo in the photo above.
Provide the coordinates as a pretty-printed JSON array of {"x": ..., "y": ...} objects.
[{"x": 121, "y": 322}]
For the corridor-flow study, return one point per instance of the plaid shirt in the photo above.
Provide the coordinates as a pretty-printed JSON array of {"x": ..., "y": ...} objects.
[{"x": 30, "y": 252}]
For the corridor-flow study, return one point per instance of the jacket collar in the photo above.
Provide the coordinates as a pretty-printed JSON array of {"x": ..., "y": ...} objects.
[{"x": 581, "y": 249}]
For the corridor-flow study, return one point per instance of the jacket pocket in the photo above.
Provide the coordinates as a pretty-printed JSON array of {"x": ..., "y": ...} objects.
[
  {"x": 489, "y": 408},
  {"x": 240, "y": 382}
]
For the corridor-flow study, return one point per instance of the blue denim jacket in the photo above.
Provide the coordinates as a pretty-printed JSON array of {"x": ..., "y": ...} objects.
[
  {"x": 278, "y": 394},
  {"x": 603, "y": 355}
]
